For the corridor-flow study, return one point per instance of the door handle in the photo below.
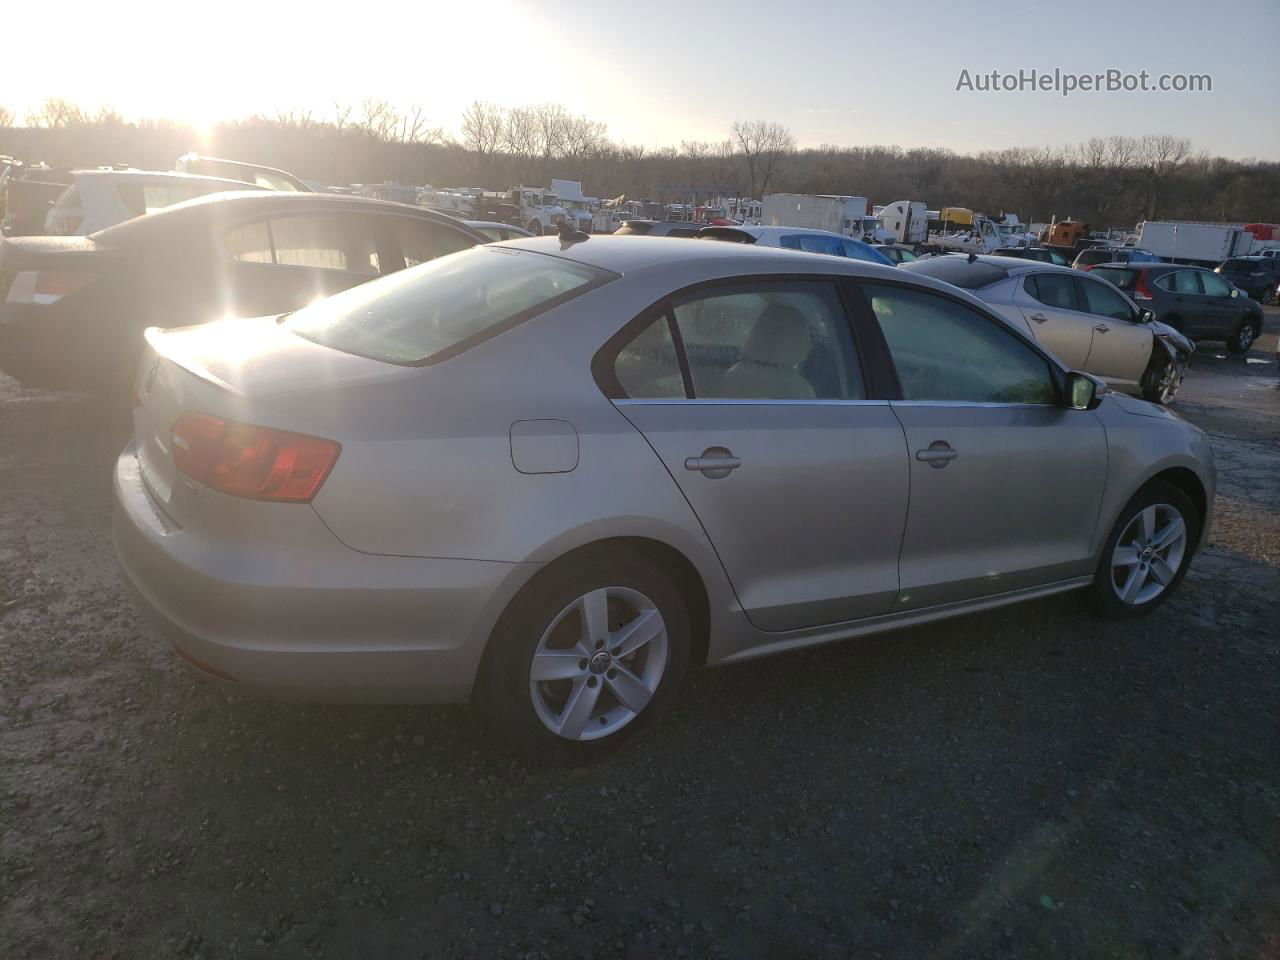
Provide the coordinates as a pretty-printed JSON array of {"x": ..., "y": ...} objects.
[
  {"x": 715, "y": 463},
  {"x": 1101, "y": 327},
  {"x": 938, "y": 455},
  {"x": 1039, "y": 317}
]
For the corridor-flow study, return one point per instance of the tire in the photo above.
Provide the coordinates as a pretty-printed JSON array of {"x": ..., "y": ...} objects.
[
  {"x": 1113, "y": 594},
  {"x": 545, "y": 623},
  {"x": 1245, "y": 335},
  {"x": 1161, "y": 381}
]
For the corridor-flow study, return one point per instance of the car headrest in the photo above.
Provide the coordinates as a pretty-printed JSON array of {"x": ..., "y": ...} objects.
[{"x": 779, "y": 337}]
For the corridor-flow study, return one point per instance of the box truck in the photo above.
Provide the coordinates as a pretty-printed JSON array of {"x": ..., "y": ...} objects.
[
  {"x": 838, "y": 214},
  {"x": 1185, "y": 241}
]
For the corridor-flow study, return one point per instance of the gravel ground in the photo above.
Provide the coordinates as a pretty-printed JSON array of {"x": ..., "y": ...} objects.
[{"x": 1024, "y": 783}]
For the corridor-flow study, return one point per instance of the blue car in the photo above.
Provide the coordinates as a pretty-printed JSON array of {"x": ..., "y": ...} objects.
[{"x": 798, "y": 238}]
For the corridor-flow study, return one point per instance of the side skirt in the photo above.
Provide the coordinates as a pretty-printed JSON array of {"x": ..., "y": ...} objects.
[{"x": 907, "y": 618}]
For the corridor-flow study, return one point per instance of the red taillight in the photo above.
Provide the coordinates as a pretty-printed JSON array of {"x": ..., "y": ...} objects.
[
  {"x": 1140, "y": 291},
  {"x": 259, "y": 463}
]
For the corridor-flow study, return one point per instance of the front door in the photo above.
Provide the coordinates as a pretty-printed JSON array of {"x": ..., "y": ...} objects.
[
  {"x": 1121, "y": 342},
  {"x": 1006, "y": 484},
  {"x": 753, "y": 396}
]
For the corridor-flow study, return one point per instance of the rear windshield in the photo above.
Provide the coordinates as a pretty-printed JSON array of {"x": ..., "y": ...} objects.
[
  {"x": 1124, "y": 279},
  {"x": 957, "y": 270},
  {"x": 434, "y": 311},
  {"x": 1242, "y": 266}
]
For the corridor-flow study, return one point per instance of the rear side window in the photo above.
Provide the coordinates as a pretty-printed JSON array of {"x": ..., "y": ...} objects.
[
  {"x": 648, "y": 367},
  {"x": 325, "y": 242},
  {"x": 249, "y": 243},
  {"x": 442, "y": 308},
  {"x": 1053, "y": 290},
  {"x": 946, "y": 352},
  {"x": 812, "y": 243},
  {"x": 420, "y": 240}
]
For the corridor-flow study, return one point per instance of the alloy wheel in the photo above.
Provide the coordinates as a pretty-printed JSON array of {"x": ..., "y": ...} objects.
[
  {"x": 1148, "y": 554},
  {"x": 599, "y": 663},
  {"x": 1248, "y": 333},
  {"x": 1169, "y": 382}
]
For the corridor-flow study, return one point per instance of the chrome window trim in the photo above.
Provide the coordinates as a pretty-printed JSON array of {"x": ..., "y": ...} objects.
[
  {"x": 740, "y": 402},
  {"x": 976, "y": 403}
]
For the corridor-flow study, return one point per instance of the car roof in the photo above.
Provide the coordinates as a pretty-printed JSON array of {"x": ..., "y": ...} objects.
[
  {"x": 160, "y": 176},
  {"x": 760, "y": 231},
  {"x": 219, "y": 208},
  {"x": 628, "y": 254}
]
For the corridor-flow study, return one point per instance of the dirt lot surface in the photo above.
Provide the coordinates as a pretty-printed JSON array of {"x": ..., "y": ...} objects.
[{"x": 1025, "y": 783}]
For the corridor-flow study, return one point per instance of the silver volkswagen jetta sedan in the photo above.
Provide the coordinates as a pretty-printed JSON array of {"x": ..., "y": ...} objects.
[{"x": 548, "y": 477}]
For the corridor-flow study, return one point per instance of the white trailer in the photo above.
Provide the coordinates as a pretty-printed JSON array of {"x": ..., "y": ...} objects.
[
  {"x": 838, "y": 214},
  {"x": 1185, "y": 241},
  {"x": 907, "y": 220}
]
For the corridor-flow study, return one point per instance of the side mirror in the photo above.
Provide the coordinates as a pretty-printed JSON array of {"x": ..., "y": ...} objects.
[
  {"x": 1145, "y": 315},
  {"x": 1084, "y": 392},
  {"x": 1234, "y": 293}
]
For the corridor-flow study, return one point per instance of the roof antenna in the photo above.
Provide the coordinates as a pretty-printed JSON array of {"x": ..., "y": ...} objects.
[
  {"x": 972, "y": 256},
  {"x": 570, "y": 235}
]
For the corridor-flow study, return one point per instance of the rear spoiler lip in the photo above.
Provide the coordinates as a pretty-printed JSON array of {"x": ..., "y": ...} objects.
[{"x": 155, "y": 336}]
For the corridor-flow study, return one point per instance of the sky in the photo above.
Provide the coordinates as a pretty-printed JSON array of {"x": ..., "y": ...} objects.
[{"x": 657, "y": 72}]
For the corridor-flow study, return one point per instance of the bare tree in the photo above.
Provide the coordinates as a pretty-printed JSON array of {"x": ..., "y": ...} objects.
[
  {"x": 6, "y": 118},
  {"x": 482, "y": 129},
  {"x": 763, "y": 144},
  {"x": 56, "y": 114}
]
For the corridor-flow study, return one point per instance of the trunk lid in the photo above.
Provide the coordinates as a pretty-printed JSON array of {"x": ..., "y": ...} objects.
[{"x": 252, "y": 371}]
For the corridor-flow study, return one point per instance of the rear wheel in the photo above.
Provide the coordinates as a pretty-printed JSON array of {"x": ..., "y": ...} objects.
[
  {"x": 1147, "y": 554},
  {"x": 1244, "y": 336},
  {"x": 590, "y": 653}
]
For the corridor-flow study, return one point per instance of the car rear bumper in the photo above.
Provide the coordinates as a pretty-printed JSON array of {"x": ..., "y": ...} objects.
[{"x": 312, "y": 621}]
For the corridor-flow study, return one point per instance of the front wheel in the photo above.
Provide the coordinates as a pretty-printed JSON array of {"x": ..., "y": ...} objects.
[
  {"x": 1161, "y": 381},
  {"x": 1147, "y": 554},
  {"x": 590, "y": 653},
  {"x": 1243, "y": 338}
]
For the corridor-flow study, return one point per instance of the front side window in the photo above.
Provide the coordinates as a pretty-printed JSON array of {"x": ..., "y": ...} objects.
[
  {"x": 769, "y": 341},
  {"x": 420, "y": 241},
  {"x": 1101, "y": 300},
  {"x": 443, "y": 307},
  {"x": 1215, "y": 286},
  {"x": 1180, "y": 281},
  {"x": 1053, "y": 290},
  {"x": 946, "y": 352}
]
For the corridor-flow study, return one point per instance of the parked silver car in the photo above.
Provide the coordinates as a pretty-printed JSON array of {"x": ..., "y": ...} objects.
[
  {"x": 1089, "y": 324},
  {"x": 549, "y": 477}
]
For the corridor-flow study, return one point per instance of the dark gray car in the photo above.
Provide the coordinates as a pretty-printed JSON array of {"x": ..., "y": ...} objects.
[{"x": 1193, "y": 300}]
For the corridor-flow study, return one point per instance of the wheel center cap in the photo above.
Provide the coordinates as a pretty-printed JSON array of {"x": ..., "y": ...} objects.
[
  {"x": 600, "y": 662},
  {"x": 1147, "y": 553}
]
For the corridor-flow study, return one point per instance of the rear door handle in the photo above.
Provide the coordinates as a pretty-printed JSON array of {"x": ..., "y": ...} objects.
[
  {"x": 715, "y": 463},
  {"x": 1101, "y": 327},
  {"x": 938, "y": 455},
  {"x": 1039, "y": 317}
]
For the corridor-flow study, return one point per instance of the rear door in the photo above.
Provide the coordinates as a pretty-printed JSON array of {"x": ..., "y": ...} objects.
[
  {"x": 754, "y": 395},
  {"x": 1006, "y": 484},
  {"x": 1051, "y": 304},
  {"x": 1225, "y": 310}
]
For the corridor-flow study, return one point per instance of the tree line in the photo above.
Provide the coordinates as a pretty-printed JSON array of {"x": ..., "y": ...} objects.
[{"x": 1116, "y": 180}]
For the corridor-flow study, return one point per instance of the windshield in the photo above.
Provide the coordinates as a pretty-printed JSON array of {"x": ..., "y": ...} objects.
[{"x": 437, "y": 310}]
